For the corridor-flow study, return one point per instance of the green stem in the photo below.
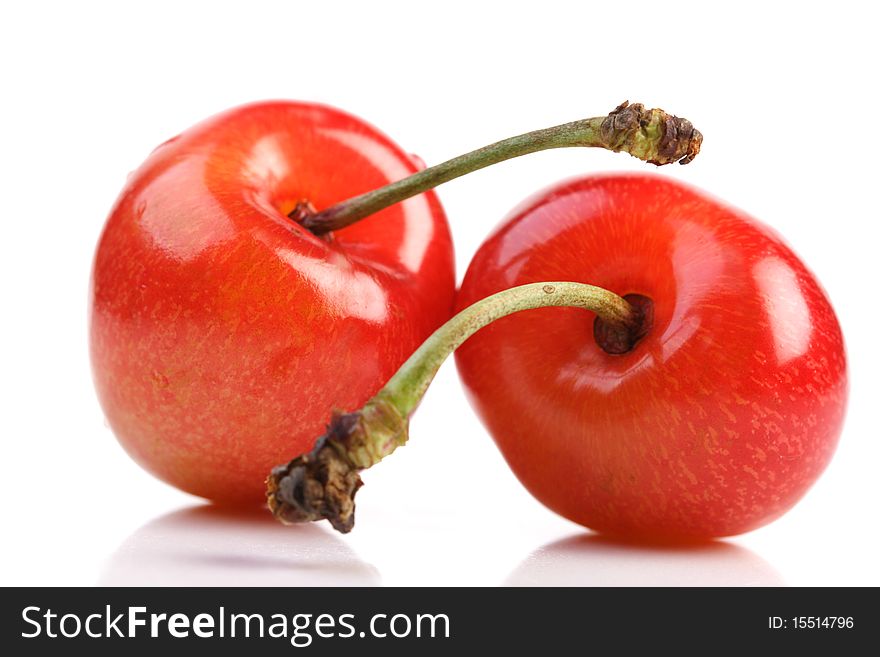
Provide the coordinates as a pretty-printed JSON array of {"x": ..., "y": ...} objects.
[
  {"x": 408, "y": 385},
  {"x": 648, "y": 134},
  {"x": 323, "y": 482}
]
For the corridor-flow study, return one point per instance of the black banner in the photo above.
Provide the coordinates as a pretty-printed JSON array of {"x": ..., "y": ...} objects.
[{"x": 433, "y": 621}]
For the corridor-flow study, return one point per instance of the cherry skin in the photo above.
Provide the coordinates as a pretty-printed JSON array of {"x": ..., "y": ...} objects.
[
  {"x": 716, "y": 422},
  {"x": 220, "y": 329}
]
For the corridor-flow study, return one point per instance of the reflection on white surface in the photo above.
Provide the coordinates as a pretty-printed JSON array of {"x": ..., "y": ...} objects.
[
  {"x": 590, "y": 560},
  {"x": 208, "y": 546}
]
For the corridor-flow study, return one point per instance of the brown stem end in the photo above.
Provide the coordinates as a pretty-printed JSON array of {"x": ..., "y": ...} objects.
[
  {"x": 651, "y": 135},
  {"x": 321, "y": 484},
  {"x": 318, "y": 485}
]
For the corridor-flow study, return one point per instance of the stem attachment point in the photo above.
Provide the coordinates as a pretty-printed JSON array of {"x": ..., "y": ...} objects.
[
  {"x": 302, "y": 211},
  {"x": 616, "y": 337}
]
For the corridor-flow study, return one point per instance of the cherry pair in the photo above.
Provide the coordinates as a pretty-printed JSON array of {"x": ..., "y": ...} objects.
[{"x": 237, "y": 297}]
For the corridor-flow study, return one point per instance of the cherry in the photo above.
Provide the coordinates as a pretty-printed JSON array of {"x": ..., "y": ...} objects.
[
  {"x": 218, "y": 324},
  {"x": 235, "y": 299},
  {"x": 715, "y": 421}
]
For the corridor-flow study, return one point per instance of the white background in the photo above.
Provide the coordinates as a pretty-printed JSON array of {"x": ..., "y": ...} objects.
[{"x": 786, "y": 95}]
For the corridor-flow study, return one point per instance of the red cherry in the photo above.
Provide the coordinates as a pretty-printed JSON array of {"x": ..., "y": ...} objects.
[
  {"x": 220, "y": 328},
  {"x": 717, "y": 421}
]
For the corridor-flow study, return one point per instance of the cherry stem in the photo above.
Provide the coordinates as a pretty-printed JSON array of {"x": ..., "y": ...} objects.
[
  {"x": 408, "y": 385},
  {"x": 651, "y": 135},
  {"x": 322, "y": 483}
]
